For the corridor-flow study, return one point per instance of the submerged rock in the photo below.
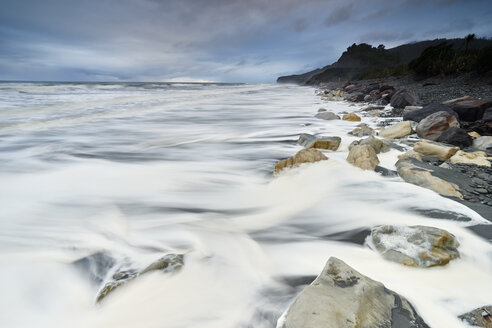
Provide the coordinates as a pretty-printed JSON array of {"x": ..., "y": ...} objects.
[
  {"x": 379, "y": 145},
  {"x": 169, "y": 263},
  {"x": 304, "y": 156},
  {"x": 351, "y": 117},
  {"x": 415, "y": 172},
  {"x": 399, "y": 130},
  {"x": 435, "y": 149},
  {"x": 363, "y": 156},
  {"x": 342, "y": 297},
  {"x": 96, "y": 266},
  {"x": 310, "y": 141},
  {"x": 418, "y": 246},
  {"x": 435, "y": 124},
  {"x": 481, "y": 317},
  {"x": 327, "y": 116}
]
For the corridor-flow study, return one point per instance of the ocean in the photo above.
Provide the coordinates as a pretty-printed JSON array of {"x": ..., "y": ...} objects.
[{"x": 135, "y": 171}]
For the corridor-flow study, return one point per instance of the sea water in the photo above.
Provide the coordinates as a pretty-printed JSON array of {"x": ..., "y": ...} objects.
[{"x": 138, "y": 170}]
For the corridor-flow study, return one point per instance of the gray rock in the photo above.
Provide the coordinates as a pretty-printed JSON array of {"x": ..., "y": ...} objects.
[
  {"x": 457, "y": 137},
  {"x": 379, "y": 145},
  {"x": 433, "y": 125},
  {"x": 327, "y": 116},
  {"x": 420, "y": 114},
  {"x": 169, "y": 263},
  {"x": 418, "y": 246},
  {"x": 403, "y": 98},
  {"x": 483, "y": 143},
  {"x": 481, "y": 317},
  {"x": 310, "y": 141},
  {"x": 342, "y": 297}
]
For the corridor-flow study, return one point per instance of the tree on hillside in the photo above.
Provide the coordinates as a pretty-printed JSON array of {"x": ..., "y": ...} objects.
[{"x": 468, "y": 39}]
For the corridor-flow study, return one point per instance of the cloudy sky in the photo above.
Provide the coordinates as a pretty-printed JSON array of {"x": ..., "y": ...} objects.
[{"x": 212, "y": 40}]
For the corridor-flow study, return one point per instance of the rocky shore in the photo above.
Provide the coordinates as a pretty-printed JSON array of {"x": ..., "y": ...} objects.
[{"x": 445, "y": 139}]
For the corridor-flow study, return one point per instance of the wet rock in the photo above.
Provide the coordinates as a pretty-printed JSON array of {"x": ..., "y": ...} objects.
[
  {"x": 342, "y": 297},
  {"x": 399, "y": 130},
  {"x": 385, "y": 172},
  {"x": 417, "y": 246},
  {"x": 403, "y": 98},
  {"x": 433, "y": 125},
  {"x": 327, "y": 116},
  {"x": 420, "y": 114},
  {"x": 310, "y": 141},
  {"x": 351, "y": 117},
  {"x": 476, "y": 158},
  {"x": 362, "y": 131},
  {"x": 321, "y": 110},
  {"x": 481, "y": 317},
  {"x": 169, "y": 263},
  {"x": 418, "y": 173},
  {"x": 483, "y": 143},
  {"x": 363, "y": 156},
  {"x": 95, "y": 266},
  {"x": 380, "y": 146},
  {"x": 304, "y": 156},
  {"x": 435, "y": 149},
  {"x": 470, "y": 110},
  {"x": 457, "y": 137}
]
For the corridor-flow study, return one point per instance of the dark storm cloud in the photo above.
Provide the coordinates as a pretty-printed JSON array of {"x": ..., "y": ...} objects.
[{"x": 229, "y": 40}]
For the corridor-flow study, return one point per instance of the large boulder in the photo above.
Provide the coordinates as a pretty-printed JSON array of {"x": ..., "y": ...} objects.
[
  {"x": 403, "y": 98},
  {"x": 457, "y": 137},
  {"x": 471, "y": 110},
  {"x": 419, "y": 114},
  {"x": 327, "y": 116},
  {"x": 310, "y": 141},
  {"x": 435, "y": 149},
  {"x": 417, "y": 246},
  {"x": 399, "y": 130},
  {"x": 351, "y": 117},
  {"x": 363, "y": 156},
  {"x": 433, "y": 125},
  {"x": 343, "y": 298},
  {"x": 169, "y": 263},
  {"x": 481, "y": 317},
  {"x": 483, "y": 143},
  {"x": 379, "y": 145},
  {"x": 415, "y": 172},
  {"x": 304, "y": 156},
  {"x": 475, "y": 158}
]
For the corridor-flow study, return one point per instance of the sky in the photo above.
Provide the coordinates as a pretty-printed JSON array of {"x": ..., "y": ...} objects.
[{"x": 212, "y": 40}]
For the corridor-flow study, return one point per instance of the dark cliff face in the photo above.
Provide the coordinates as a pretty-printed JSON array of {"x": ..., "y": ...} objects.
[{"x": 358, "y": 60}]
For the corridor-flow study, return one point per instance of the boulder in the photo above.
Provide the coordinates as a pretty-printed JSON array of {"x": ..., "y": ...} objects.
[
  {"x": 342, "y": 297},
  {"x": 310, "y": 141},
  {"x": 409, "y": 109},
  {"x": 481, "y": 317},
  {"x": 327, "y": 116},
  {"x": 456, "y": 137},
  {"x": 415, "y": 172},
  {"x": 419, "y": 114},
  {"x": 387, "y": 88},
  {"x": 169, "y": 263},
  {"x": 399, "y": 130},
  {"x": 451, "y": 102},
  {"x": 403, "y": 98},
  {"x": 487, "y": 115},
  {"x": 433, "y": 125},
  {"x": 411, "y": 154},
  {"x": 480, "y": 127},
  {"x": 417, "y": 246},
  {"x": 362, "y": 131},
  {"x": 363, "y": 156},
  {"x": 483, "y": 143},
  {"x": 471, "y": 110},
  {"x": 379, "y": 145},
  {"x": 474, "y": 135},
  {"x": 351, "y": 117},
  {"x": 304, "y": 156},
  {"x": 435, "y": 149},
  {"x": 476, "y": 158}
]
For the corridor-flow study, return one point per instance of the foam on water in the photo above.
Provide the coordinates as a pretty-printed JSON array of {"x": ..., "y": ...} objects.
[{"x": 188, "y": 169}]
